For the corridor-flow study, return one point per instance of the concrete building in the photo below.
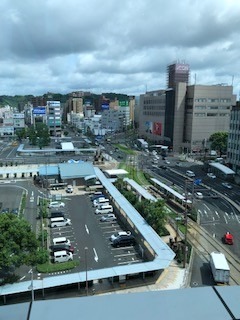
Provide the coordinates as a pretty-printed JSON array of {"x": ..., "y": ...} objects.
[
  {"x": 112, "y": 120},
  {"x": 177, "y": 72},
  {"x": 184, "y": 116},
  {"x": 151, "y": 111},
  {"x": 233, "y": 150},
  {"x": 54, "y": 118},
  {"x": 207, "y": 111}
]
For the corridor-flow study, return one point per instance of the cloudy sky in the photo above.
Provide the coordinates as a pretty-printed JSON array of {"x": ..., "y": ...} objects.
[{"x": 116, "y": 46}]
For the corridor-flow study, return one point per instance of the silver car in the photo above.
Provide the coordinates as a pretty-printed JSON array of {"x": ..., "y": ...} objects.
[{"x": 108, "y": 217}]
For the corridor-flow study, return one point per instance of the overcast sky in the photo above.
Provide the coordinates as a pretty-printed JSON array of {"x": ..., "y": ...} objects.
[{"x": 121, "y": 46}]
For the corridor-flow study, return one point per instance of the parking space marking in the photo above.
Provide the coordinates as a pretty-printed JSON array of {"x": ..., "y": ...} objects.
[
  {"x": 126, "y": 254},
  {"x": 130, "y": 262}
]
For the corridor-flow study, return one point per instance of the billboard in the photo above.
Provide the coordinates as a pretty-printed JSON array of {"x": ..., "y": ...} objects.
[
  {"x": 39, "y": 110},
  {"x": 153, "y": 127},
  {"x": 157, "y": 128},
  {"x": 182, "y": 68},
  {"x": 105, "y": 106},
  {"x": 123, "y": 103}
]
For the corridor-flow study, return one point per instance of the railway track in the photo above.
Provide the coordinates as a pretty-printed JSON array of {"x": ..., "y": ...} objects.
[{"x": 204, "y": 244}]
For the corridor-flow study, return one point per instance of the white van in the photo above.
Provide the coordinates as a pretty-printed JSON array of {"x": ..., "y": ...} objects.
[
  {"x": 102, "y": 201},
  {"x": 190, "y": 173},
  {"x": 62, "y": 256},
  {"x": 60, "y": 222},
  {"x": 56, "y": 204},
  {"x": 104, "y": 209},
  {"x": 61, "y": 240},
  {"x": 69, "y": 189},
  {"x": 95, "y": 201}
]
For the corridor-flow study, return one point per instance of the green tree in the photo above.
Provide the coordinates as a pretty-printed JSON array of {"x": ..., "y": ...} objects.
[
  {"x": 21, "y": 134},
  {"x": 18, "y": 243},
  {"x": 156, "y": 215},
  {"x": 39, "y": 135},
  {"x": 219, "y": 141}
]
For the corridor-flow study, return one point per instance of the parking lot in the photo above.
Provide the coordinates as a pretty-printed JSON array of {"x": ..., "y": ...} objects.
[{"x": 90, "y": 236}]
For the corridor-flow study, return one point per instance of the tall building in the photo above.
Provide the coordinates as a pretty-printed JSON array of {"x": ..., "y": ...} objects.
[
  {"x": 233, "y": 149},
  {"x": 177, "y": 72},
  {"x": 54, "y": 118},
  {"x": 152, "y": 107},
  {"x": 207, "y": 111},
  {"x": 187, "y": 114}
]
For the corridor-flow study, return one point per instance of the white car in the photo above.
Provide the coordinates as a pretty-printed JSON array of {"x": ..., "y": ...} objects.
[
  {"x": 119, "y": 234},
  {"x": 199, "y": 195},
  {"x": 211, "y": 175},
  {"x": 227, "y": 185},
  {"x": 56, "y": 204}
]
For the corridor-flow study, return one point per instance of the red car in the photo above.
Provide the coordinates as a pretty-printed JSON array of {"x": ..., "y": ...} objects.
[{"x": 228, "y": 238}]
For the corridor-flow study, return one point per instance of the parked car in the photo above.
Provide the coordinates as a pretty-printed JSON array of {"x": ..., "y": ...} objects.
[
  {"x": 226, "y": 185},
  {"x": 56, "y": 213},
  {"x": 5, "y": 210},
  {"x": 211, "y": 175},
  {"x": 56, "y": 204},
  {"x": 62, "y": 256},
  {"x": 96, "y": 196},
  {"x": 69, "y": 189},
  {"x": 108, "y": 217},
  {"x": 60, "y": 247},
  {"x": 123, "y": 241},
  {"x": 119, "y": 235}
]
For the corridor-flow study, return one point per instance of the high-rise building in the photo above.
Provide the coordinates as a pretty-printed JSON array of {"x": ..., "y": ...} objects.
[
  {"x": 187, "y": 114},
  {"x": 207, "y": 111},
  {"x": 152, "y": 116},
  {"x": 54, "y": 118},
  {"x": 233, "y": 150},
  {"x": 177, "y": 72}
]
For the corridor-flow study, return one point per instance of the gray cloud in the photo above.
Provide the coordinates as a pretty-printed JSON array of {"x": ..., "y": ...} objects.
[{"x": 120, "y": 46}]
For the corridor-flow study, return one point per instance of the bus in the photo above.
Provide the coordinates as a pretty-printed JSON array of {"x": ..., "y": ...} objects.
[
  {"x": 142, "y": 144},
  {"x": 161, "y": 149}
]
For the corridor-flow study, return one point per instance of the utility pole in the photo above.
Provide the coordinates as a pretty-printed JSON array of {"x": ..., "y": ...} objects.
[{"x": 185, "y": 246}]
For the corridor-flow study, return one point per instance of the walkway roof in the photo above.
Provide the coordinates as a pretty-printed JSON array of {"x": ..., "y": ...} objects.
[
  {"x": 140, "y": 190},
  {"x": 222, "y": 168}
]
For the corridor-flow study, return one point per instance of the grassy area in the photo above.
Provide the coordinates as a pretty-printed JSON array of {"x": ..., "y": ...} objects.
[
  {"x": 54, "y": 267},
  {"x": 125, "y": 149},
  {"x": 134, "y": 174}
]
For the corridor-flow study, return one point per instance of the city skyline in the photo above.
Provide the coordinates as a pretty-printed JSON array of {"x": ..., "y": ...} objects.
[{"x": 120, "y": 47}]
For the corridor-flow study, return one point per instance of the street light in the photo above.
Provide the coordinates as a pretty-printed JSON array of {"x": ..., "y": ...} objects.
[
  {"x": 31, "y": 285},
  {"x": 85, "y": 250}
]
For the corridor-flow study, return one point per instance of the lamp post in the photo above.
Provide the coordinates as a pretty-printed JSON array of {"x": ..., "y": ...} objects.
[
  {"x": 31, "y": 285},
  {"x": 85, "y": 250}
]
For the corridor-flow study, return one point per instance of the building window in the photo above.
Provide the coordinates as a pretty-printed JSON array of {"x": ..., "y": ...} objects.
[
  {"x": 199, "y": 114},
  {"x": 212, "y": 114}
]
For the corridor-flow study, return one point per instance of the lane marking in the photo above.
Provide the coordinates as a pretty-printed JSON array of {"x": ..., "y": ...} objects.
[
  {"x": 95, "y": 255},
  {"x": 86, "y": 229}
]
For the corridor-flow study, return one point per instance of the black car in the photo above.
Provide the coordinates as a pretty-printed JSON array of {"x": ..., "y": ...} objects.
[
  {"x": 60, "y": 247},
  {"x": 56, "y": 214},
  {"x": 123, "y": 241},
  {"x": 213, "y": 195}
]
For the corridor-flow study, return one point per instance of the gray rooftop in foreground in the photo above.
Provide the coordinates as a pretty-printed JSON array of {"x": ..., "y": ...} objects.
[{"x": 182, "y": 304}]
